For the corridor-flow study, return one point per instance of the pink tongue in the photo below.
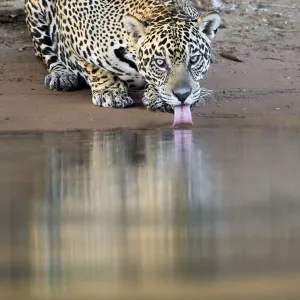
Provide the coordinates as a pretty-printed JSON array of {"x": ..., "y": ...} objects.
[{"x": 182, "y": 115}]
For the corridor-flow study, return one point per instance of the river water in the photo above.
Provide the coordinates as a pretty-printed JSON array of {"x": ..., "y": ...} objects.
[{"x": 173, "y": 214}]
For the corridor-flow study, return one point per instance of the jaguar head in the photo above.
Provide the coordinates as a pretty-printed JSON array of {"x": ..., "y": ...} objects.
[{"x": 173, "y": 55}]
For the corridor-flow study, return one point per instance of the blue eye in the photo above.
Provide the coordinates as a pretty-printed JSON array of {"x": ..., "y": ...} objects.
[
  {"x": 160, "y": 63},
  {"x": 195, "y": 59}
]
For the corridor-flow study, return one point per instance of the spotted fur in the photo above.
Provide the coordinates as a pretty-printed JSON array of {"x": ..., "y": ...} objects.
[{"x": 113, "y": 45}]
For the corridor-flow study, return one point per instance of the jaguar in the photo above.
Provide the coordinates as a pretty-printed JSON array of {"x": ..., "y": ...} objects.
[{"x": 161, "y": 46}]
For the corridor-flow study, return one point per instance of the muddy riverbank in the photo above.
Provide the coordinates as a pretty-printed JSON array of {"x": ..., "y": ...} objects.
[{"x": 261, "y": 89}]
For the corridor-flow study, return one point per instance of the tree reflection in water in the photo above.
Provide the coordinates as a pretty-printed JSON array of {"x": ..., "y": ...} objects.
[{"x": 156, "y": 205}]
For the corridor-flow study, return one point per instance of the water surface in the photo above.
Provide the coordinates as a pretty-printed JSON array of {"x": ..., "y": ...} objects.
[{"x": 175, "y": 214}]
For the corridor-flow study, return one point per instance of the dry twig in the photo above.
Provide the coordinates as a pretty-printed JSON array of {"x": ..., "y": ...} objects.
[{"x": 230, "y": 56}]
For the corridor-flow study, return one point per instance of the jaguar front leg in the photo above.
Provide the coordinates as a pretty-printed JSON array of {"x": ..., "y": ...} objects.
[
  {"x": 108, "y": 90},
  {"x": 153, "y": 101}
]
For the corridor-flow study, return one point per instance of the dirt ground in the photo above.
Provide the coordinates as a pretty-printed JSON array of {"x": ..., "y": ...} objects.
[{"x": 263, "y": 88}]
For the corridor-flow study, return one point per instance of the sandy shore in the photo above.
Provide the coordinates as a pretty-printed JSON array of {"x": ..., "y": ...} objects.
[{"x": 262, "y": 89}]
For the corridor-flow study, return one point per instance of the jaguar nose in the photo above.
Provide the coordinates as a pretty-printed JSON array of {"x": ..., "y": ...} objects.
[{"x": 182, "y": 95}]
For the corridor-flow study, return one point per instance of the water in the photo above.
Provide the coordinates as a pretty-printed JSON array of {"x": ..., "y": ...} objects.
[{"x": 183, "y": 214}]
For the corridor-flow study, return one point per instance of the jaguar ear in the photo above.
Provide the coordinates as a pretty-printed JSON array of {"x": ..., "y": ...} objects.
[
  {"x": 134, "y": 27},
  {"x": 209, "y": 23}
]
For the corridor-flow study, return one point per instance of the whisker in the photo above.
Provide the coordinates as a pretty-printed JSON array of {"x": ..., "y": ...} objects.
[{"x": 202, "y": 95}]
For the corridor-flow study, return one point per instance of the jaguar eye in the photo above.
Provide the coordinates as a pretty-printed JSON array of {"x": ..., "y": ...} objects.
[
  {"x": 195, "y": 59},
  {"x": 161, "y": 63}
]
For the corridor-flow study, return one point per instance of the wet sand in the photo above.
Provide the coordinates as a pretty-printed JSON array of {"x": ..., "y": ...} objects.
[{"x": 263, "y": 89}]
